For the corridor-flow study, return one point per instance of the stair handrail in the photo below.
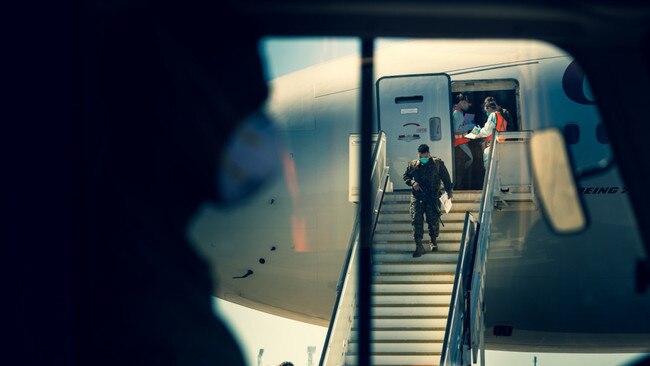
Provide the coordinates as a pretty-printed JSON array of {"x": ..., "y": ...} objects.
[
  {"x": 483, "y": 244},
  {"x": 456, "y": 341},
  {"x": 338, "y": 333},
  {"x": 465, "y": 323},
  {"x": 462, "y": 338}
]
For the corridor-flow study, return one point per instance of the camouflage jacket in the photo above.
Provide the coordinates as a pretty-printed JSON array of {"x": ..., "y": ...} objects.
[{"x": 429, "y": 176}]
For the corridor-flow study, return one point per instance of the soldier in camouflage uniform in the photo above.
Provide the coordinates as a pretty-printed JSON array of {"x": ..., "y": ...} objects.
[{"x": 424, "y": 176}]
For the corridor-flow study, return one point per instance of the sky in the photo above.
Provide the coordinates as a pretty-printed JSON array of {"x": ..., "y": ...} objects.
[
  {"x": 287, "y": 340},
  {"x": 282, "y": 339}
]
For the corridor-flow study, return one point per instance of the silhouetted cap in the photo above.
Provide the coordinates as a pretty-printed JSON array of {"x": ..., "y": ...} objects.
[
  {"x": 463, "y": 98},
  {"x": 424, "y": 148},
  {"x": 490, "y": 102}
]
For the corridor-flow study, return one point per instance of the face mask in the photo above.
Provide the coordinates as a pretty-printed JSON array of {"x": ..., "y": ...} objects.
[
  {"x": 255, "y": 139},
  {"x": 424, "y": 160}
]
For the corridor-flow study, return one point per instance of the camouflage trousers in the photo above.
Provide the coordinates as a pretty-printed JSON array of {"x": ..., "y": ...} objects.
[{"x": 419, "y": 210}]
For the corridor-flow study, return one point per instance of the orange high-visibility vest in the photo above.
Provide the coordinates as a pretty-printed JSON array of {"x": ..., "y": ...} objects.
[
  {"x": 501, "y": 126},
  {"x": 459, "y": 137}
]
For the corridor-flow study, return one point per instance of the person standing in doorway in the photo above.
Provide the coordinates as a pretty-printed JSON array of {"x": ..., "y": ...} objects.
[
  {"x": 463, "y": 123},
  {"x": 424, "y": 175},
  {"x": 495, "y": 121},
  {"x": 461, "y": 128}
]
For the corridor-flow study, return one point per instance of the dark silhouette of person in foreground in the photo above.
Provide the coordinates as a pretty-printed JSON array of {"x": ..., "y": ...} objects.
[{"x": 166, "y": 85}]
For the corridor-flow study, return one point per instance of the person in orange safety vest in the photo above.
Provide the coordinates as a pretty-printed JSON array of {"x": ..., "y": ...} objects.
[{"x": 495, "y": 121}]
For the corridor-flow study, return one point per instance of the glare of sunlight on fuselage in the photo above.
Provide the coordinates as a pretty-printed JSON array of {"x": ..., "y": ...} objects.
[{"x": 298, "y": 222}]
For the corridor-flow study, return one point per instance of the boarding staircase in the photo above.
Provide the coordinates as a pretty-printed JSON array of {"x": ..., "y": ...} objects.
[
  {"x": 411, "y": 296},
  {"x": 428, "y": 310}
]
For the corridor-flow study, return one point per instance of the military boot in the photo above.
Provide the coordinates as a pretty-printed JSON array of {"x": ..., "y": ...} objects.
[
  {"x": 419, "y": 249},
  {"x": 433, "y": 246}
]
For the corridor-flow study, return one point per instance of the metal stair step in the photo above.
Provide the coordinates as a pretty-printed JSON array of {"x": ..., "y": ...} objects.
[
  {"x": 437, "y": 334},
  {"x": 386, "y": 216},
  {"x": 423, "y": 267},
  {"x": 401, "y": 346},
  {"x": 424, "y": 321},
  {"x": 405, "y": 255},
  {"x": 413, "y": 279},
  {"x": 410, "y": 288},
  {"x": 414, "y": 276},
  {"x": 405, "y": 225},
  {"x": 409, "y": 246},
  {"x": 406, "y": 263},
  {"x": 382, "y": 299},
  {"x": 403, "y": 328},
  {"x": 380, "y": 237},
  {"x": 407, "y": 320},
  {"x": 459, "y": 194},
  {"x": 401, "y": 359},
  {"x": 410, "y": 309}
]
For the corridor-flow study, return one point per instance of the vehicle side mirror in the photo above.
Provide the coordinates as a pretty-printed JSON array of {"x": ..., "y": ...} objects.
[{"x": 555, "y": 183}]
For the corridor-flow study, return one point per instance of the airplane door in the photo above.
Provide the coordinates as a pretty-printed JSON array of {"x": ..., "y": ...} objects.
[{"x": 414, "y": 110}]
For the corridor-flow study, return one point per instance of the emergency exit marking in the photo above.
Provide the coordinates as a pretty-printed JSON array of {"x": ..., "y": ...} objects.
[{"x": 408, "y": 111}]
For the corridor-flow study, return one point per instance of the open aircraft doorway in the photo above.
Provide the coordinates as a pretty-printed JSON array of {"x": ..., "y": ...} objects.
[{"x": 292, "y": 250}]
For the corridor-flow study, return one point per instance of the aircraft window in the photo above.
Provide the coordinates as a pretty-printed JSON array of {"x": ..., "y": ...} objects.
[
  {"x": 435, "y": 133},
  {"x": 413, "y": 99},
  {"x": 571, "y": 133},
  {"x": 601, "y": 134}
]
